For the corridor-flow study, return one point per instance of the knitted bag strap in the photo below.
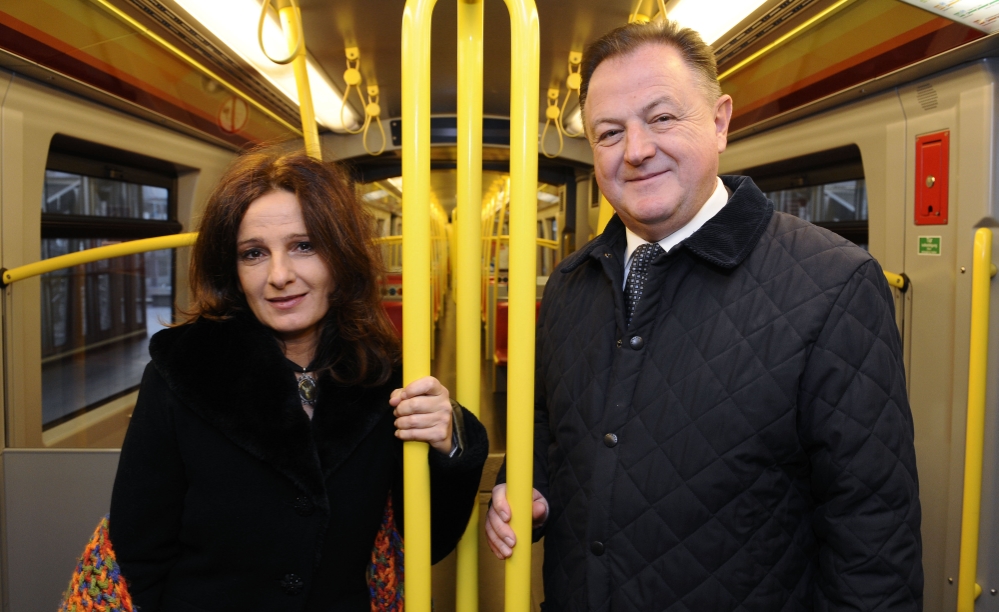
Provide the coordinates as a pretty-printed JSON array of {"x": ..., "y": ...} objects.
[
  {"x": 385, "y": 573},
  {"x": 97, "y": 584}
]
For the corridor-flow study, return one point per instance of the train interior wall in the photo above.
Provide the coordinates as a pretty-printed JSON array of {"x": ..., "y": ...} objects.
[
  {"x": 38, "y": 473},
  {"x": 935, "y": 312}
]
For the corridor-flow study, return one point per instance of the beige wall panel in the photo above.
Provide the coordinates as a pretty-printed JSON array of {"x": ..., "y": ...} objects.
[
  {"x": 941, "y": 307},
  {"x": 32, "y": 114}
]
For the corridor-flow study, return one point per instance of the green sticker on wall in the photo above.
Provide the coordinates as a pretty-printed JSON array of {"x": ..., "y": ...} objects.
[{"x": 929, "y": 245}]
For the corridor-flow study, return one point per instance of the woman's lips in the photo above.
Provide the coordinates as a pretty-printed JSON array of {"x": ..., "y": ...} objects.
[{"x": 286, "y": 302}]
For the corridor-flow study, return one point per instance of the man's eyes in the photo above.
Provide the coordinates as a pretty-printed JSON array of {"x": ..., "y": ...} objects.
[{"x": 607, "y": 135}]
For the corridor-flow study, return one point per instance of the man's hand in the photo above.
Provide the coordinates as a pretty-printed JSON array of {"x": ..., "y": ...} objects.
[
  {"x": 423, "y": 413},
  {"x": 498, "y": 531}
]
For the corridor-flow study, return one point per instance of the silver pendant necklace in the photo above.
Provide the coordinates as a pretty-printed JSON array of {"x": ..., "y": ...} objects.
[{"x": 308, "y": 390}]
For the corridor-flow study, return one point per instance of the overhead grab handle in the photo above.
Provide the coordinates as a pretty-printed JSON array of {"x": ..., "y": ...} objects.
[
  {"x": 552, "y": 116},
  {"x": 352, "y": 77},
  {"x": 291, "y": 25},
  {"x": 266, "y": 4}
]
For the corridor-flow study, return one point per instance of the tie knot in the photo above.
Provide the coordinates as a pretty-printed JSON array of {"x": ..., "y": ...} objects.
[{"x": 646, "y": 252}]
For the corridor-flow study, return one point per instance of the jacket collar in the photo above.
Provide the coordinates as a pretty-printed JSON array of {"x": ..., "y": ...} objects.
[
  {"x": 725, "y": 240},
  {"x": 233, "y": 375}
]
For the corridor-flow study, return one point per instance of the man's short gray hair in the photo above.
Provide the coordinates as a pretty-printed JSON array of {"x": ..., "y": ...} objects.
[{"x": 626, "y": 39}]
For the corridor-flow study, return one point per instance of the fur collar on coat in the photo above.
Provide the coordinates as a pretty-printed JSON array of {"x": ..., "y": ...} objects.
[{"x": 233, "y": 375}]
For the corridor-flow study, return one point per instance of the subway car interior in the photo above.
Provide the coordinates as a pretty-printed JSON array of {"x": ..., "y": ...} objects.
[{"x": 460, "y": 125}]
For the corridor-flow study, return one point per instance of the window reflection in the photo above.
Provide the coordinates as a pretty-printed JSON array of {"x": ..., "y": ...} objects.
[
  {"x": 97, "y": 318},
  {"x": 74, "y": 194},
  {"x": 832, "y": 202}
]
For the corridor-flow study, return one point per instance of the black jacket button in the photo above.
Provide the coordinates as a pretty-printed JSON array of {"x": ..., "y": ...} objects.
[
  {"x": 619, "y": 343},
  {"x": 636, "y": 342},
  {"x": 610, "y": 440},
  {"x": 597, "y": 548},
  {"x": 304, "y": 506},
  {"x": 292, "y": 584}
]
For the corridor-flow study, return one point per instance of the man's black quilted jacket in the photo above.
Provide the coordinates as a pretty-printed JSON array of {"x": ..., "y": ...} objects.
[{"x": 746, "y": 445}]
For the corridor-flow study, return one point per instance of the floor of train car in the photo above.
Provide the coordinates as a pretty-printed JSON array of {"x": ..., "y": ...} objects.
[
  {"x": 492, "y": 404},
  {"x": 492, "y": 413}
]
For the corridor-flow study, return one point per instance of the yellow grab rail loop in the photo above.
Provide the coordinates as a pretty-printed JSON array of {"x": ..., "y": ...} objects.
[
  {"x": 982, "y": 271},
  {"x": 79, "y": 258}
]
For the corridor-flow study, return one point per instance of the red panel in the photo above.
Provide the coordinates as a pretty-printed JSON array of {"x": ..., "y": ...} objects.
[
  {"x": 932, "y": 169},
  {"x": 502, "y": 324},
  {"x": 394, "y": 312}
]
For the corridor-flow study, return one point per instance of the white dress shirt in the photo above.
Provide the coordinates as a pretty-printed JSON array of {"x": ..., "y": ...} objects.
[{"x": 711, "y": 208}]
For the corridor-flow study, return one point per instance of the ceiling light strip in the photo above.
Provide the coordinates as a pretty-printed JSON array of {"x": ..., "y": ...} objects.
[
  {"x": 193, "y": 63},
  {"x": 815, "y": 19}
]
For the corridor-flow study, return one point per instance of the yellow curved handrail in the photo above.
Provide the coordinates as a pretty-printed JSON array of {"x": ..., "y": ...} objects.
[
  {"x": 132, "y": 247},
  {"x": 416, "y": 316},
  {"x": 982, "y": 271},
  {"x": 525, "y": 55}
]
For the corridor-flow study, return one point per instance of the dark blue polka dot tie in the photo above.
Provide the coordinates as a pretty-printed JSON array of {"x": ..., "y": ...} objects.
[{"x": 635, "y": 285}]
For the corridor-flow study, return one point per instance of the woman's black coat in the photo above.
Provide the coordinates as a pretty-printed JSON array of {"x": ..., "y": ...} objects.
[{"x": 228, "y": 497}]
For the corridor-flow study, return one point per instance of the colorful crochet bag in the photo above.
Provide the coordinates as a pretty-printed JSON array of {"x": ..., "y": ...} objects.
[
  {"x": 97, "y": 584},
  {"x": 385, "y": 573}
]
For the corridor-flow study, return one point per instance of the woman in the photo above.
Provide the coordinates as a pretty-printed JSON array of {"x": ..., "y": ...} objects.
[{"x": 266, "y": 440}]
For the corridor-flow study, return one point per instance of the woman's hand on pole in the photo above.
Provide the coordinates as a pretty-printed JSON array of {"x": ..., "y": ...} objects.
[
  {"x": 499, "y": 534},
  {"x": 423, "y": 413}
]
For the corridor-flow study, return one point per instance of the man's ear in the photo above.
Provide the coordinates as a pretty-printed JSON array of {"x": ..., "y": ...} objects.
[{"x": 723, "y": 115}]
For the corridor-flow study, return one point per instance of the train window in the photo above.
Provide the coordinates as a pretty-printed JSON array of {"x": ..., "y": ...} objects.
[
  {"x": 97, "y": 318},
  {"x": 825, "y": 188}
]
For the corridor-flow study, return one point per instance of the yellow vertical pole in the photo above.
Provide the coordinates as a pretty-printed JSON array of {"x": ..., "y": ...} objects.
[
  {"x": 416, "y": 315},
  {"x": 291, "y": 23},
  {"x": 525, "y": 58},
  {"x": 982, "y": 271},
  {"x": 469, "y": 263}
]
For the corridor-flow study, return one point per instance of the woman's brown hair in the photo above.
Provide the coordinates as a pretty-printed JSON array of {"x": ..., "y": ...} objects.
[{"x": 358, "y": 344}]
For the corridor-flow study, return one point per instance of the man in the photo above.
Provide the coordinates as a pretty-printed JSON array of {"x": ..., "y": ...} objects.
[{"x": 728, "y": 428}]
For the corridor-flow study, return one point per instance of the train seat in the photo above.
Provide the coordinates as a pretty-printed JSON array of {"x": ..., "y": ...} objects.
[{"x": 502, "y": 320}]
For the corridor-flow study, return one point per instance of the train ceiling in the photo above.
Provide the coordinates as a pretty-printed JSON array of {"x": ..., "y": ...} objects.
[{"x": 137, "y": 55}]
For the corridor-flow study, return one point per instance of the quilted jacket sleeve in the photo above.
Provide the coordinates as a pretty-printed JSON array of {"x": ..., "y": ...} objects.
[{"x": 855, "y": 424}]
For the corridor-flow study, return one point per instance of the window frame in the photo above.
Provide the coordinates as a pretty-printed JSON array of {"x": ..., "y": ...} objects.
[{"x": 78, "y": 157}]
